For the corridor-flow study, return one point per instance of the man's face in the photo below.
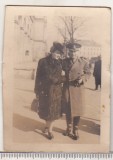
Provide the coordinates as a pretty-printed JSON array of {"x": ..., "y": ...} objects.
[{"x": 72, "y": 54}]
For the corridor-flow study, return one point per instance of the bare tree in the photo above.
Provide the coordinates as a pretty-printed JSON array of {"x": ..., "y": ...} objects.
[{"x": 68, "y": 27}]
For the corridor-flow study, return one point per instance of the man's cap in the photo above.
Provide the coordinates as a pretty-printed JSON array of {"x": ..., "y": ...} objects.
[{"x": 73, "y": 46}]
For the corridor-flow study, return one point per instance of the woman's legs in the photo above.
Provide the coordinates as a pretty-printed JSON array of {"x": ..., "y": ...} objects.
[
  {"x": 49, "y": 125},
  {"x": 48, "y": 129}
]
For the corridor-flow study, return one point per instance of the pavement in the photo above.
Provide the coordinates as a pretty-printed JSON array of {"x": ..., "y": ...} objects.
[{"x": 27, "y": 126}]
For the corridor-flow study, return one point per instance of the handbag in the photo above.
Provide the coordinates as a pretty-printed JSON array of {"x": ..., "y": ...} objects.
[{"x": 35, "y": 105}]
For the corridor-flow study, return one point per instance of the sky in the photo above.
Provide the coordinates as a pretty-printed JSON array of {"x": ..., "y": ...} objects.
[{"x": 96, "y": 27}]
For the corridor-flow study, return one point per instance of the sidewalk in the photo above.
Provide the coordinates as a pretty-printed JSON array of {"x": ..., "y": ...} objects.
[
  {"x": 92, "y": 97},
  {"x": 28, "y": 126}
]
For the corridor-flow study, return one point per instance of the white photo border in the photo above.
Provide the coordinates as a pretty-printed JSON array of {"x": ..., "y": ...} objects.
[{"x": 49, "y": 3}]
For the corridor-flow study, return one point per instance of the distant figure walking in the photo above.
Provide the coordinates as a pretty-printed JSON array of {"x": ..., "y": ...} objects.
[{"x": 97, "y": 73}]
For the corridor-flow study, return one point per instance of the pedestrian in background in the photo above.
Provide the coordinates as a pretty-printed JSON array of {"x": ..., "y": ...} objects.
[
  {"x": 97, "y": 73},
  {"x": 73, "y": 93},
  {"x": 48, "y": 87}
]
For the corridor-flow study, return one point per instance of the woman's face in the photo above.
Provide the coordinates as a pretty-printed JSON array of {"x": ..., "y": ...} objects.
[{"x": 56, "y": 55}]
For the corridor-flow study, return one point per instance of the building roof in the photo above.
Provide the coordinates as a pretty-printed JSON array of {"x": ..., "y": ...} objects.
[
  {"x": 38, "y": 18},
  {"x": 88, "y": 43}
]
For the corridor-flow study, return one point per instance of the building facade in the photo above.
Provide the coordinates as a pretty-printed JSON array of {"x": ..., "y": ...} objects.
[
  {"x": 89, "y": 49},
  {"x": 30, "y": 39}
]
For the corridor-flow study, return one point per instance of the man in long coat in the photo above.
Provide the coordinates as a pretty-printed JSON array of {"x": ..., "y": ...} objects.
[
  {"x": 76, "y": 70},
  {"x": 48, "y": 87},
  {"x": 97, "y": 73}
]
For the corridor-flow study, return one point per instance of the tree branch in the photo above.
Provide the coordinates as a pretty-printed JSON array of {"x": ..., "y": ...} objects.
[
  {"x": 79, "y": 25},
  {"x": 60, "y": 31},
  {"x": 66, "y": 24}
]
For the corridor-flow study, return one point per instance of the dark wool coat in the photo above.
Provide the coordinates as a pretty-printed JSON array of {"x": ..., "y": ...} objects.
[
  {"x": 73, "y": 96},
  {"x": 97, "y": 72},
  {"x": 48, "y": 86}
]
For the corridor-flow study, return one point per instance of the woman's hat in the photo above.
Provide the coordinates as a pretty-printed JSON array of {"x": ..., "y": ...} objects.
[{"x": 57, "y": 47}]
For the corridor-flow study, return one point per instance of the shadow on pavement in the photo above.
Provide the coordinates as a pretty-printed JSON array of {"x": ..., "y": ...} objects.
[
  {"x": 90, "y": 89},
  {"x": 59, "y": 130},
  {"x": 26, "y": 124},
  {"x": 26, "y": 90},
  {"x": 89, "y": 126}
]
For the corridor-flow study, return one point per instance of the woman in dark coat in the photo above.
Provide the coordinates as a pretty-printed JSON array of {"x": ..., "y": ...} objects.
[
  {"x": 48, "y": 87},
  {"x": 77, "y": 71}
]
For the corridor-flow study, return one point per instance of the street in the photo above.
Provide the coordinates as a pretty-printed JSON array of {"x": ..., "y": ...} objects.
[{"x": 27, "y": 126}]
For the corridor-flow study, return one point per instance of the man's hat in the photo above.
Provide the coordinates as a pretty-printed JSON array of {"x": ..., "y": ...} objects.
[
  {"x": 73, "y": 46},
  {"x": 57, "y": 47}
]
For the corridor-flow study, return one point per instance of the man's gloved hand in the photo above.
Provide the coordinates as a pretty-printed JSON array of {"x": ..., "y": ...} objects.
[
  {"x": 63, "y": 73},
  {"x": 79, "y": 82}
]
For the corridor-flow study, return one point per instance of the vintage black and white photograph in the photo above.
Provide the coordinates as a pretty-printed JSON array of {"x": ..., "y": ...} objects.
[{"x": 56, "y": 84}]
